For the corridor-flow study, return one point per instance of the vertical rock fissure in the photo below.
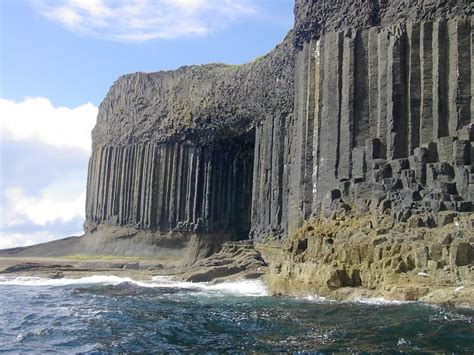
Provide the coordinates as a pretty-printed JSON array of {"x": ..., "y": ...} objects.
[{"x": 340, "y": 47}]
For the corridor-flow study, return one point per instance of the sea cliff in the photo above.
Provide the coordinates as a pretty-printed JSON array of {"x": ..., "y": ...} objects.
[{"x": 346, "y": 156}]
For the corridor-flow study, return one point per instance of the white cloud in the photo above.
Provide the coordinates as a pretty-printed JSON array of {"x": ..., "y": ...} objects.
[
  {"x": 57, "y": 213},
  {"x": 42, "y": 206},
  {"x": 38, "y": 119},
  {"x": 61, "y": 201},
  {"x": 141, "y": 20}
]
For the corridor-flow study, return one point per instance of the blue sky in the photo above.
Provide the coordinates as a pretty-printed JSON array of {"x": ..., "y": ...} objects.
[
  {"x": 57, "y": 61},
  {"x": 42, "y": 58}
]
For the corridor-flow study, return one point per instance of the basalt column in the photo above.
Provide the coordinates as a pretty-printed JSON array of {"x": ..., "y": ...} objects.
[
  {"x": 367, "y": 97},
  {"x": 270, "y": 178},
  {"x": 363, "y": 101},
  {"x": 173, "y": 186}
]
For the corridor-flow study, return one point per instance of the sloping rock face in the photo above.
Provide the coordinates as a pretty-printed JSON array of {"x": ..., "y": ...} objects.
[{"x": 366, "y": 107}]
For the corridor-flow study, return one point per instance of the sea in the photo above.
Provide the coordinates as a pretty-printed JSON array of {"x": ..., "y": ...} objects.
[{"x": 108, "y": 314}]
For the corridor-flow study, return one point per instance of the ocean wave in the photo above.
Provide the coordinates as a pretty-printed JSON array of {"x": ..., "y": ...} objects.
[
  {"x": 40, "y": 281},
  {"x": 316, "y": 299},
  {"x": 253, "y": 288},
  {"x": 243, "y": 287},
  {"x": 376, "y": 301},
  {"x": 379, "y": 301}
]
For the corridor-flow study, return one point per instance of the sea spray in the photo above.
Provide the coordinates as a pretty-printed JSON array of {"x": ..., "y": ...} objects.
[{"x": 240, "y": 287}]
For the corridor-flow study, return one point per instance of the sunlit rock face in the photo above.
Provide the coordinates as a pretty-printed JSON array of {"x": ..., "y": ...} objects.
[
  {"x": 382, "y": 116},
  {"x": 365, "y": 105}
]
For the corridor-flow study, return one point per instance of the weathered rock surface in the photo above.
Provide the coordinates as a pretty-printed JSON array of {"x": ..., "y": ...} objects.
[
  {"x": 382, "y": 125},
  {"x": 235, "y": 261},
  {"x": 375, "y": 256},
  {"x": 316, "y": 17},
  {"x": 371, "y": 119},
  {"x": 173, "y": 151},
  {"x": 199, "y": 104},
  {"x": 364, "y": 100}
]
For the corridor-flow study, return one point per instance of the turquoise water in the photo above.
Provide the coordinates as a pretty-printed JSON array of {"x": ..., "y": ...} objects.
[{"x": 109, "y": 314}]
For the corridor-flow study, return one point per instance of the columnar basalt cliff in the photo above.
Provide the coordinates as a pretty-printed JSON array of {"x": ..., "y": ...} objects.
[
  {"x": 173, "y": 186},
  {"x": 174, "y": 151},
  {"x": 365, "y": 109},
  {"x": 382, "y": 107}
]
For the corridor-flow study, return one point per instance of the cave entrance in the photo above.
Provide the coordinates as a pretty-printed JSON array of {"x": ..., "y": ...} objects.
[
  {"x": 231, "y": 183},
  {"x": 175, "y": 186}
]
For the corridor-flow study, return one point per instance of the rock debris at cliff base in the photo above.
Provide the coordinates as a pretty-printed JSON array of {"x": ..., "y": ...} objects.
[{"x": 351, "y": 256}]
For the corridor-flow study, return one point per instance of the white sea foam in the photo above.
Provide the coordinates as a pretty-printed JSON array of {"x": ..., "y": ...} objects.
[
  {"x": 255, "y": 288},
  {"x": 317, "y": 299},
  {"x": 369, "y": 301},
  {"x": 243, "y": 287},
  {"x": 379, "y": 301},
  {"x": 40, "y": 281},
  {"x": 240, "y": 287}
]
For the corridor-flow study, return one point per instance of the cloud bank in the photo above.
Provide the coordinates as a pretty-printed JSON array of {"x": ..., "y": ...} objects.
[
  {"x": 37, "y": 118},
  {"x": 142, "y": 20},
  {"x": 44, "y": 154}
]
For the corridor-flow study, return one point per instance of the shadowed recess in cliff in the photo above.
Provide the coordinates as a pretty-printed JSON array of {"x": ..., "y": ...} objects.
[{"x": 173, "y": 186}]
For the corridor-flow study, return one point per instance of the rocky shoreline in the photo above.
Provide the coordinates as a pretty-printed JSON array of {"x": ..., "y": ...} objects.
[
  {"x": 373, "y": 256},
  {"x": 340, "y": 164},
  {"x": 235, "y": 261},
  {"x": 344, "y": 258}
]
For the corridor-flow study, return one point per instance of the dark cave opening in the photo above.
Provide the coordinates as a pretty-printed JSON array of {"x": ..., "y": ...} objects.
[{"x": 231, "y": 185}]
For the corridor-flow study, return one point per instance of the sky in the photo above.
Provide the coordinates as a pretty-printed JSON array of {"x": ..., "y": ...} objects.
[{"x": 58, "y": 59}]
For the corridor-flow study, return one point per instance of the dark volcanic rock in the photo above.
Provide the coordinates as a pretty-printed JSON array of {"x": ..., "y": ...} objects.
[
  {"x": 316, "y": 17},
  {"x": 366, "y": 99},
  {"x": 197, "y": 103},
  {"x": 173, "y": 151},
  {"x": 365, "y": 109}
]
